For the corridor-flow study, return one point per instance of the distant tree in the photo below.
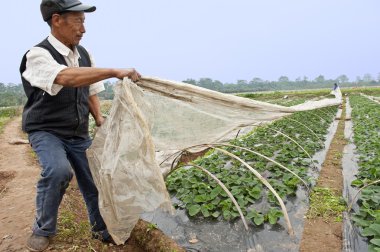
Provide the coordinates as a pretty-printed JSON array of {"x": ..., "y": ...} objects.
[
  {"x": 378, "y": 77},
  {"x": 218, "y": 85},
  {"x": 211, "y": 84},
  {"x": 190, "y": 81},
  {"x": 242, "y": 82},
  {"x": 258, "y": 84},
  {"x": 205, "y": 82},
  {"x": 283, "y": 79},
  {"x": 342, "y": 78},
  {"x": 257, "y": 80},
  {"x": 359, "y": 79},
  {"x": 320, "y": 79},
  {"x": 11, "y": 95},
  {"x": 367, "y": 77}
]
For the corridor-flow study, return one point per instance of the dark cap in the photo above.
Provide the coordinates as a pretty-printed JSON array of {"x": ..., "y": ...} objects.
[{"x": 50, "y": 7}]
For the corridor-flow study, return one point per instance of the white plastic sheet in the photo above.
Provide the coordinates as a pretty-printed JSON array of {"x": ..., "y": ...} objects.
[{"x": 151, "y": 120}]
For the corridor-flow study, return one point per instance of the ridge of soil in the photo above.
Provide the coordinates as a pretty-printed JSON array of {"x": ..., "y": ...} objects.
[
  {"x": 319, "y": 234},
  {"x": 19, "y": 172}
]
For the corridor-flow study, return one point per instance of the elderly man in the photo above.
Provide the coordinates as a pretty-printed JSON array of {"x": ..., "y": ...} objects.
[{"x": 62, "y": 85}]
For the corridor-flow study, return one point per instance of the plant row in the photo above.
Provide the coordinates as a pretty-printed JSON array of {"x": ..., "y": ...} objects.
[
  {"x": 288, "y": 99},
  {"x": 366, "y": 127},
  {"x": 290, "y": 141}
]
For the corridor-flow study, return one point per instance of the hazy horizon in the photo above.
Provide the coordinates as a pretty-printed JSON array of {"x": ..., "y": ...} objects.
[{"x": 220, "y": 40}]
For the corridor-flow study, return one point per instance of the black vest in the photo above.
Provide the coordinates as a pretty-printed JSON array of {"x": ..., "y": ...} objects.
[{"x": 65, "y": 114}]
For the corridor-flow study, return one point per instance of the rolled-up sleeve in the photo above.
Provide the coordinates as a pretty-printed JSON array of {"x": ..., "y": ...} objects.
[
  {"x": 97, "y": 87},
  {"x": 41, "y": 70}
]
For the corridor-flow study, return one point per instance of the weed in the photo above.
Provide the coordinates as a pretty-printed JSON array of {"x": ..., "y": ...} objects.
[
  {"x": 73, "y": 225},
  {"x": 71, "y": 229},
  {"x": 151, "y": 226},
  {"x": 338, "y": 155},
  {"x": 324, "y": 203}
]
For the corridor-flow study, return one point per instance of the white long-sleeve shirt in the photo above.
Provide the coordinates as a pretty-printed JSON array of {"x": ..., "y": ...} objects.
[{"x": 41, "y": 68}]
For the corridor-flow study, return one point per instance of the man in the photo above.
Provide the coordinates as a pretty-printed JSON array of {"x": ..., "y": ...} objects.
[{"x": 62, "y": 85}]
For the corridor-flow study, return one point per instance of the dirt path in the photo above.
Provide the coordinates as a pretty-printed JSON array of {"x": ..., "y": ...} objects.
[
  {"x": 18, "y": 175},
  {"x": 19, "y": 172},
  {"x": 319, "y": 234}
]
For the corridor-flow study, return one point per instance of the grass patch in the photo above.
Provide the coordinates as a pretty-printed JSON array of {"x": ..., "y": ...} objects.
[
  {"x": 71, "y": 229},
  {"x": 3, "y": 121},
  {"x": 6, "y": 114},
  {"x": 74, "y": 229},
  {"x": 324, "y": 203}
]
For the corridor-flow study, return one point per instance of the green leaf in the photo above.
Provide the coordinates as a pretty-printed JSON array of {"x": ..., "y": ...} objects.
[
  {"x": 193, "y": 180},
  {"x": 235, "y": 214},
  {"x": 200, "y": 198},
  {"x": 376, "y": 215},
  {"x": 216, "y": 201},
  {"x": 273, "y": 215},
  {"x": 375, "y": 229},
  {"x": 258, "y": 220},
  {"x": 373, "y": 248},
  {"x": 210, "y": 206},
  {"x": 236, "y": 192},
  {"x": 256, "y": 217},
  {"x": 186, "y": 183},
  {"x": 223, "y": 193},
  {"x": 187, "y": 199},
  {"x": 361, "y": 222},
  {"x": 215, "y": 192},
  {"x": 242, "y": 202},
  {"x": 205, "y": 211},
  {"x": 368, "y": 232},
  {"x": 194, "y": 209},
  {"x": 375, "y": 241},
  {"x": 225, "y": 204},
  {"x": 227, "y": 214},
  {"x": 255, "y": 192},
  {"x": 215, "y": 214}
]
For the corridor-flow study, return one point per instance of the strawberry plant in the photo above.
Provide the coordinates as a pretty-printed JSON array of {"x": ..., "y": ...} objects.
[
  {"x": 202, "y": 197},
  {"x": 366, "y": 125}
]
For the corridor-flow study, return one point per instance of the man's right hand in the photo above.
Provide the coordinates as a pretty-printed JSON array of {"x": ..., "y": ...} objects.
[
  {"x": 131, "y": 73},
  {"x": 84, "y": 76}
]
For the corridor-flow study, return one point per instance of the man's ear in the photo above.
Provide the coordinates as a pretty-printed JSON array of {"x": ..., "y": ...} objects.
[{"x": 55, "y": 18}]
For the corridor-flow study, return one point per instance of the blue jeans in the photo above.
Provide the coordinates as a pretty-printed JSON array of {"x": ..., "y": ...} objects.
[{"x": 59, "y": 157}]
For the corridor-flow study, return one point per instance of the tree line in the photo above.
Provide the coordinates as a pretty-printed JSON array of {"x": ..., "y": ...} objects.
[
  {"x": 283, "y": 83},
  {"x": 13, "y": 94}
]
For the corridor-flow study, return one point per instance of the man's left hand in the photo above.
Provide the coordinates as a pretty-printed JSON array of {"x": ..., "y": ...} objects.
[{"x": 99, "y": 121}]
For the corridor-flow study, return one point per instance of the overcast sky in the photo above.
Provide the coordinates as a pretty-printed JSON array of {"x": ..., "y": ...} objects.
[{"x": 221, "y": 39}]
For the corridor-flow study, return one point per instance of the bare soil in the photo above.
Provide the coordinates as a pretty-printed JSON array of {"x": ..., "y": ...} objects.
[
  {"x": 19, "y": 172},
  {"x": 320, "y": 234}
]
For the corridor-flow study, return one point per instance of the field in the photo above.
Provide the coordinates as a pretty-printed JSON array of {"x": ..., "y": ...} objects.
[
  {"x": 296, "y": 143},
  {"x": 274, "y": 184},
  {"x": 366, "y": 136}
]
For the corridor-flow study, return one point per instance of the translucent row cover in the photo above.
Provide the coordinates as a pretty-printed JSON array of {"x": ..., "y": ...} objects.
[{"x": 148, "y": 122}]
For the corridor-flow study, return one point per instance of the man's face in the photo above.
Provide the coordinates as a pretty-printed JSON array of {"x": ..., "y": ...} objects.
[{"x": 71, "y": 28}]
